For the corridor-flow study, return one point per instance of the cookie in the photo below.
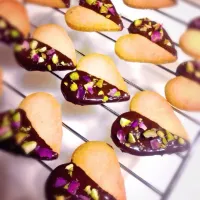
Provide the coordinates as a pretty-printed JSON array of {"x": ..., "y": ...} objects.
[
  {"x": 95, "y": 15},
  {"x": 42, "y": 52},
  {"x": 50, "y": 3},
  {"x": 14, "y": 22},
  {"x": 1, "y": 81},
  {"x": 34, "y": 129},
  {"x": 159, "y": 48},
  {"x": 150, "y": 128},
  {"x": 183, "y": 91},
  {"x": 150, "y": 4},
  {"x": 190, "y": 40},
  {"x": 93, "y": 173},
  {"x": 95, "y": 81}
]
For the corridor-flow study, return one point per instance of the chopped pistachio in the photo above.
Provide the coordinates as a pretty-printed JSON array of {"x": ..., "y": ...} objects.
[
  {"x": 149, "y": 134},
  {"x": 20, "y": 136},
  {"x": 70, "y": 173},
  {"x": 65, "y": 83},
  {"x": 16, "y": 117},
  {"x": 33, "y": 44},
  {"x": 117, "y": 94},
  {"x": 108, "y": 5},
  {"x": 41, "y": 60},
  {"x": 88, "y": 189},
  {"x": 170, "y": 137},
  {"x": 94, "y": 194},
  {"x": 99, "y": 84},
  {"x": 74, "y": 76},
  {"x": 28, "y": 147},
  {"x": 6, "y": 121},
  {"x": 164, "y": 141},
  {"x": 44, "y": 56},
  {"x": 138, "y": 22},
  {"x": 105, "y": 99},
  {"x": 167, "y": 42},
  {"x": 108, "y": 16},
  {"x": 127, "y": 145},
  {"x": 73, "y": 87},
  {"x": 2, "y": 24},
  {"x": 143, "y": 29},
  {"x": 197, "y": 74},
  {"x": 90, "y": 2},
  {"x": 70, "y": 167},
  {"x": 161, "y": 134},
  {"x": 190, "y": 67},
  {"x": 60, "y": 197},
  {"x": 140, "y": 119},
  {"x": 181, "y": 141},
  {"x": 7, "y": 135},
  {"x": 17, "y": 48},
  {"x": 131, "y": 138},
  {"x": 101, "y": 93},
  {"x": 49, "y": 67},
  {"x": 103, "y": 9},
  {"x": 124, "y": 122},
  {"x": 63, "y": 63},
  {"x": 66, "y": 186},
  {"x": 43, "y": 49},
  {"x": 156, "y": 26},
  {"x": 14, "y": 34},
  {"x": 55, "y": 59}
]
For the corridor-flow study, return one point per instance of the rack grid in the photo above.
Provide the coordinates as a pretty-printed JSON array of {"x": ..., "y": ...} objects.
[{"x": 194, "y": 119}]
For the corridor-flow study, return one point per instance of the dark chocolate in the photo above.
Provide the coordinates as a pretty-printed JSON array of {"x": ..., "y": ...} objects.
[
  {"x": 154, "y": 32},
  {"x": 189, "y": 69},
  {"x": 34, "y": 55},
  {"x": 138, "y": 135},
  {"x": 8, "y": 33},
  {"x": 195, "y": 23},
  {"x": 67, "y": 3},
  {"x": 82, "y": 88},
  {"x": 68, "y": 181},
  {"x": 105, "y": 8},
  {"x": 17, "y": 135}
]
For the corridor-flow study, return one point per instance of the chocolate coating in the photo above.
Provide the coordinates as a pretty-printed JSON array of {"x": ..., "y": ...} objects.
[
  {"x": 105, "y": 8},
  {"x": 89, "y": 90},
  {"x": 8, "y": 33},
  {"x": 195, "y": 23},
  {"x": 141, "y": 142},
  {"x": 41, "y": 57},
  {"x": 16, "y": 135},
  {"x": 77, "y": 181},
  {"x": 67, "y": 3},
  {"x": 190, "y": 69},
  {"x": 154, "y": 32}
]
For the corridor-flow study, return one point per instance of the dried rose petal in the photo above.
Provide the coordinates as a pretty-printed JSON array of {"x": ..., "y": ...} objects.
[
  {"x": 135, "y": 124},
  {"x": 26, "y": 45},
  {"x": 35, "y": 58},
  {"x": 112, "y": 10},
  {"x": 81, "y": 197},
  {"x": 112, "y": 92},
  {"x": 80, "y": 93},
  {"x": 51, "y": 52},
  {"x": 16, "y": 124},
  {"x": 60, "y": 182},
  {"x": 142, "y": 126},
  {"x": 87, "y": 78},
  {"x": 3, "y": 130},
  {"x": 73, "y": 187},
  {"x": 155, "y": 144},
  {"x": 90, "y": 90},
  {"x": 44, "y": 152},
  {"x": 99, "y": 4},
  {"x": 121, "y": 136},
  {"x": 156, "y": 36}
]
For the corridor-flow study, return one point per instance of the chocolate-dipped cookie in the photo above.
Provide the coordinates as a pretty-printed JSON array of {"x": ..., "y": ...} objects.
[
  {"x": 159, "y": 47},
  {"x": 34, "y": 129},
  {"x": 50, "y": 3},
  {"x": 150, "y": 128},
  {"x": 190, "y": 40},
  {"x": 94, "y": 15},
  {"x": 42, "y": 53},
  {"x": 14, "y": 22},
  {"x": 149, "y": 4},
  {"x": 93, "y": 174},
  {"x": 183, "y": 91},
  {"x": 95, "y": 81}
]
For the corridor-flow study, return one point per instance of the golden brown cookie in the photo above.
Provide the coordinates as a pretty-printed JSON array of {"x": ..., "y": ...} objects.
[
  {"x": 183, "y": 91},
  {"x": 150, "y": 128},
  {"x": 50, "y": 3},
  {"x": 159, "y": 47},
  {"x": 149, "y": 4},
  {"x": 190, "y": 40},
  {"x": 14, "y": 13},
  {"x": 96, "y": 81},
  {"x": 43, "y": 52},
  {"x": 94, "y": 16}
]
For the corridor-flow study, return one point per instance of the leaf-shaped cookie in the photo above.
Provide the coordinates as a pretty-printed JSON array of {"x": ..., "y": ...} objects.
[
  {"x": 150, "y": 128},
  {"x": 95, "y": 15},
  {"x": 94, "y": 173},
  {"x": 44, "y": 53},
  {"x": 183, "y": 91},
  {"x": 34, "y": 129},
  {"x": 95, "y": 81},
  {"x": 159, "y": 47},
  {"x": 14, "y": 22},
  {"x": 50, "y": 3}
]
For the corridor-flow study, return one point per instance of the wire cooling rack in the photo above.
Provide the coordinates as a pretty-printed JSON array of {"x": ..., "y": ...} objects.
[{"x": 149, "y": 178}]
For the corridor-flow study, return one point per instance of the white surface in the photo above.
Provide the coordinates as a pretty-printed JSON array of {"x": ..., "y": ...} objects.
[{"x": 95, "y": 120}]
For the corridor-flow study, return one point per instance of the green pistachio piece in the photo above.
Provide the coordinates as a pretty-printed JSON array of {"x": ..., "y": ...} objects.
[
  {"x": 49, "y": 67},
  {"x": 33, "y": 44},
  {"x": 74, "y": 76},
  {"x": 60, "y": 197},
  {"x": 161, "y": 134},
  {"x": 197, "y": 74},
  {"x": 44, "y": 55},
  {"x": 138, "y": 22},
  {"x": 124, "y": 122},
  {"x": 117, "y": 94},
  {"x": 131, "y": 138},
  {"x": 140, "y": 119},
  {"x": 14, "y": 34},
  {"x": 55, "y": 59},
  {"x": 164, "y": 141},
  {"x": 28, "y": 147},
  {"x": 66, "y": 186},
  {"x": 94, "y": 194},
  {"x": 43, "y": 49},
  {"x": 6, "y": 121},
  {"x": 6, "y": 136},
  {"x": 108, "y": 16},
  {"x": 101, "y": 93},
  {"x": 17, "y": 48},
  {"x": 88, "y": 189},
  {"x": 16, "y": 117},
  {"x": 103, "y": 9},
  {"x": 70, "y": 173},
  {"x": 99, "y": 84},
  {"x": 65, "y": 83},
  {"x": 181, "y": 141},
  {"x": 19, "y": 137},
  {"x": 167, "y": 42},
  {"x": 70, "y": 167},
  {"x": 63, "y": 63},
  {"x": 73, "y": 87},
  {"x": 91, "y": 2},
  {"x": 149, "y": 134},
  {"x": 189, "y": 67},
  {"x": 41, "y": 60},
  {"x": 127, "y": 145},
  {"x": 3, "y": 24},
  {"x": 170, "y": 137},
  {"x": 108, "y": 5},
  {"x": 105, "y": 99}
]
